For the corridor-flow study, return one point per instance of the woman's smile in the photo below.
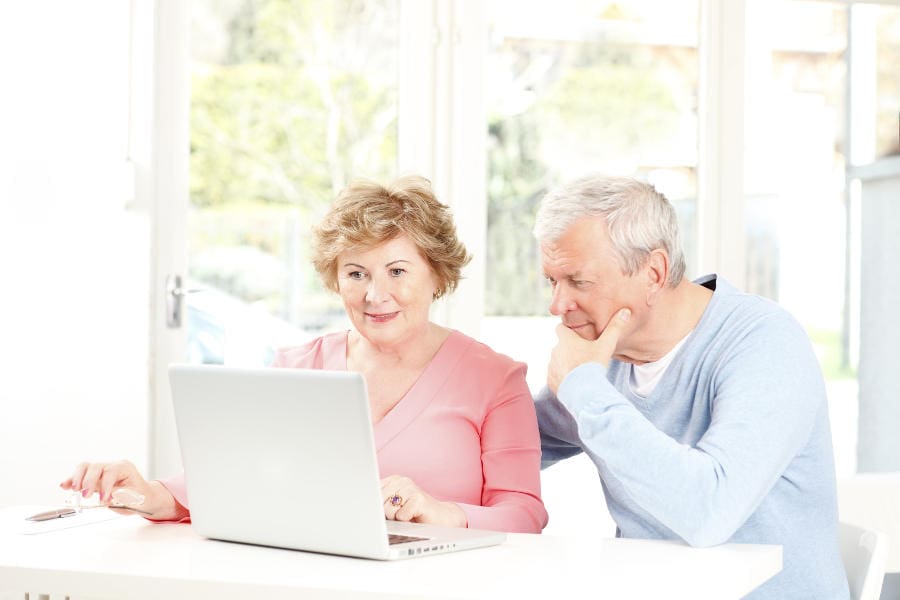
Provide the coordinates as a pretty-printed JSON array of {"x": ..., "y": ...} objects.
[{"x": 381, "y": 317}]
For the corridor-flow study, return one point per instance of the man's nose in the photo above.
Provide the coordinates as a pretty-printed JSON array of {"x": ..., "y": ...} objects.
[{"x": 560, "y": 303}]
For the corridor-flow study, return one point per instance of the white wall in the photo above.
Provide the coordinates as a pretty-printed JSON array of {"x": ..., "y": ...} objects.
[
  {"x": 879, "y": 353},
  {"x": 74, "y": 249}
]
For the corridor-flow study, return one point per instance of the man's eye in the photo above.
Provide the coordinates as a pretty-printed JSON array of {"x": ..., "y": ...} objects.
[{"x": 551, "y": 281}]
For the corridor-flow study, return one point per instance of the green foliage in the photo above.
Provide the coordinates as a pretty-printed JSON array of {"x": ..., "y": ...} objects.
[
  {"x": 614, "y": 107},
  {"x": 516, "y": 183},
  {"x": 256, "y": 134},
  {"x": 587, "y": 108}
]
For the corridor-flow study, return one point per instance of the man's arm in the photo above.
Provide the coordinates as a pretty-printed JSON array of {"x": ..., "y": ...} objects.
[
  {"x": 767, "y": 397},
  {"x": 559, "y": 432}
]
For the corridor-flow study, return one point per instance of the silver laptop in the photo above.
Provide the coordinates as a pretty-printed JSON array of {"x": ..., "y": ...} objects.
[{"x": 286, "y": 458}]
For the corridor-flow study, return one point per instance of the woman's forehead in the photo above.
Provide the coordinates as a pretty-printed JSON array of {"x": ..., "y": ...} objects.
[{"x": 399, "y": 247}]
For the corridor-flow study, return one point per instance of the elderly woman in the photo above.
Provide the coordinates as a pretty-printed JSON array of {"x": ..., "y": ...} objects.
[{"x": 454, "y": 423}]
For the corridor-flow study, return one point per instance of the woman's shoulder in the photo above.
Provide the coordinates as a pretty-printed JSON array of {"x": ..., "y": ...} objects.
[
  {"x": 487, "y": 377},
  {"x": 484, "y": 357},
  {"x": 310, "y": 355}
]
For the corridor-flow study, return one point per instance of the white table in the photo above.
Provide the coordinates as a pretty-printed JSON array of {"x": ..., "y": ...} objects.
[{"x": 128, "y": 557}]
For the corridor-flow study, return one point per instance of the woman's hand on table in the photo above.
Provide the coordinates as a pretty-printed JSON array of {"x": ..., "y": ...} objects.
[{"x": 120, "y": 482}]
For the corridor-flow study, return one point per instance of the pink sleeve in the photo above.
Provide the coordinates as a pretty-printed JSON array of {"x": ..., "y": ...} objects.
[
  {"x": 307, "y": 356},
  {"x": 511, "y": 462},
  {"x": 177, "y": 488}
]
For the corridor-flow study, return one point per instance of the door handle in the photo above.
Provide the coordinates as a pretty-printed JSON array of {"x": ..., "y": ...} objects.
[{"x": 175, "y": 300}]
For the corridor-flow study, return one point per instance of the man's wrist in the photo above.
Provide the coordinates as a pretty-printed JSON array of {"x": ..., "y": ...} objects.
[{"x": 578, "y": 388}]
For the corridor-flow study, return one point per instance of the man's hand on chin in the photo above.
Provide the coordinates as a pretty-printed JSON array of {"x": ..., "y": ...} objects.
[{"x": 572, "y": 350}]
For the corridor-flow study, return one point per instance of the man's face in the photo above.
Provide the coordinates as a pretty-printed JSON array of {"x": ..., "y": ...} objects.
[{"x": 587, "y": 281}]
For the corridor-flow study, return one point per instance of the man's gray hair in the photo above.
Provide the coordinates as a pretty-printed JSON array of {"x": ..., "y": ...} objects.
[{"x": 639, "y": 219}]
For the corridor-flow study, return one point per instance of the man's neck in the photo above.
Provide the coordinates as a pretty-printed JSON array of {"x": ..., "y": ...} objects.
[{"x": 673, "y": 315}]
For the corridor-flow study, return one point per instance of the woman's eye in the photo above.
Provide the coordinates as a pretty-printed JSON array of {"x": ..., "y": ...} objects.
[
  {"x": 355, "y": 275},
  {"x": 397, "y": 272}
]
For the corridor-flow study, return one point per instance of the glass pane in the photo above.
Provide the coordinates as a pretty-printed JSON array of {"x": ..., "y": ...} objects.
[
  {"x": 576, "y": 87},
  {"x": 887, "y": 38},
  {"x": 290, "y": 99},
  {"x": 796, "y": 215},
  {"x": 796, "y": 95}
]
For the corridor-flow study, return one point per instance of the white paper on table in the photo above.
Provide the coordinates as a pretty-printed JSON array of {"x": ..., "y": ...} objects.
[{"x": 13, "y": 519}]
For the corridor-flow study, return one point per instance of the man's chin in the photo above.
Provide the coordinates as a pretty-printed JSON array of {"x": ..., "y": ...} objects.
[{"x": 586, "y": 332}]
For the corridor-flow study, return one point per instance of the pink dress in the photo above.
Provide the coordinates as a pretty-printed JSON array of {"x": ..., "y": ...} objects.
[{"x": 465, "y": 432}]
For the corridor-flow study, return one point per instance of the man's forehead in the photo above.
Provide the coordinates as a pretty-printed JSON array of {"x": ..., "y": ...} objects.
[
  {"x": 558, "y": 260},
  {"x": 576, "y": 258},
  {"x": 563, "y": 249}
]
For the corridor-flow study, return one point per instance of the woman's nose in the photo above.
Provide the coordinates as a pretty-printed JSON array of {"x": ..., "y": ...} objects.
[{"x": 376, "y": 292}]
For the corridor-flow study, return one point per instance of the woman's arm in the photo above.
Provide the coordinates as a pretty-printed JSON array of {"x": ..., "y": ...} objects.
[
  {"x": 104, "y": 478},
  {"x": 511, "y": 460}
]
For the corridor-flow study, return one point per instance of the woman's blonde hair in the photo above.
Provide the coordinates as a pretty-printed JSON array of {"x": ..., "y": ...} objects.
[{"x": 366, "y": 214}]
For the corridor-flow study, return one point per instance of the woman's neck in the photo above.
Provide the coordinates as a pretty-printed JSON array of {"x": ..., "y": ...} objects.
[{"x": 413, "y": 351}]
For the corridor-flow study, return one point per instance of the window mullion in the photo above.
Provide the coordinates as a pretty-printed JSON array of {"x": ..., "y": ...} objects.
[{"x": 720, "y": 202}]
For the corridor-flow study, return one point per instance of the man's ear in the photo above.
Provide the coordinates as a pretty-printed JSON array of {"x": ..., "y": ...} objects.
[{"x": 656, "y": 270}]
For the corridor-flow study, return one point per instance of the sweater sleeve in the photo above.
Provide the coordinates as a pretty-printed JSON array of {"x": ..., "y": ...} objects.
[
  {"x": 559, "y": 431},
  {"x": 766, "y": 395},
  {"x": 510, "y": 457}
]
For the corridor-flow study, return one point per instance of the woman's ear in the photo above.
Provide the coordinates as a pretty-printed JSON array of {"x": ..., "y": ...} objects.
[{"x": 657, "y": 273}]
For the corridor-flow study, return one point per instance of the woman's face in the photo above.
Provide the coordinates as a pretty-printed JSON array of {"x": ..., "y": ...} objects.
[{"x": 387, "y": 290}]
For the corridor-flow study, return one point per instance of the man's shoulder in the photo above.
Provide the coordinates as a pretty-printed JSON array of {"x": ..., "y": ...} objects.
[
  {"x": 732, "y": 305},
  {"x": 740, "y": 324}
]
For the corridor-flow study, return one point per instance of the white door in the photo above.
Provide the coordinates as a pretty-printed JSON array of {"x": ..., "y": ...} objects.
[{"x": 75, "y": 245}]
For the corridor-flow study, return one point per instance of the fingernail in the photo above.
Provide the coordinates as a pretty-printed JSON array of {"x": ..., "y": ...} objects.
[
  {"x": 84, "y": 493},
  {"x": 624, "y": 315}
]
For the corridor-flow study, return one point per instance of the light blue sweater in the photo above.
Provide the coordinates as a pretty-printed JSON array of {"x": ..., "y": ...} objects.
[{"x": 733, "y": 445}]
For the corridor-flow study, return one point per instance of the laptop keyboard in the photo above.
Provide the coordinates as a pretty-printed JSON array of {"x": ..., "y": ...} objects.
[{"x": 396, "y": 538}]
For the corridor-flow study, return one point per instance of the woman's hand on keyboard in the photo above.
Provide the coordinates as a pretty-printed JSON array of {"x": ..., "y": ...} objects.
[{"x": 406, "y": 501}]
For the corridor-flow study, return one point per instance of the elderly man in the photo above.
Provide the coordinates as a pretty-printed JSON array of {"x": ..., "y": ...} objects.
[{"x": 703, "y": 407}]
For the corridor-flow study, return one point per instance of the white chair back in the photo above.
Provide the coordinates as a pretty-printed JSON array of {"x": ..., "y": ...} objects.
[{"x": 864, "y": 553}]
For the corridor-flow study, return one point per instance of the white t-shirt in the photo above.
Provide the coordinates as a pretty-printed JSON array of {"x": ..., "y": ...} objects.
[{"x": 645, "y": 377}]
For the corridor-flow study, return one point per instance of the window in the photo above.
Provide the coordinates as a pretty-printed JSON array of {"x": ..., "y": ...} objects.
[
  {"x": 795, "y": 214},
  {"x": 876, "y": 93},
  {"x": 289, "y": 101},
  {"x": 574, "y": 88},
  {"x": 804, "y": 60}
]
